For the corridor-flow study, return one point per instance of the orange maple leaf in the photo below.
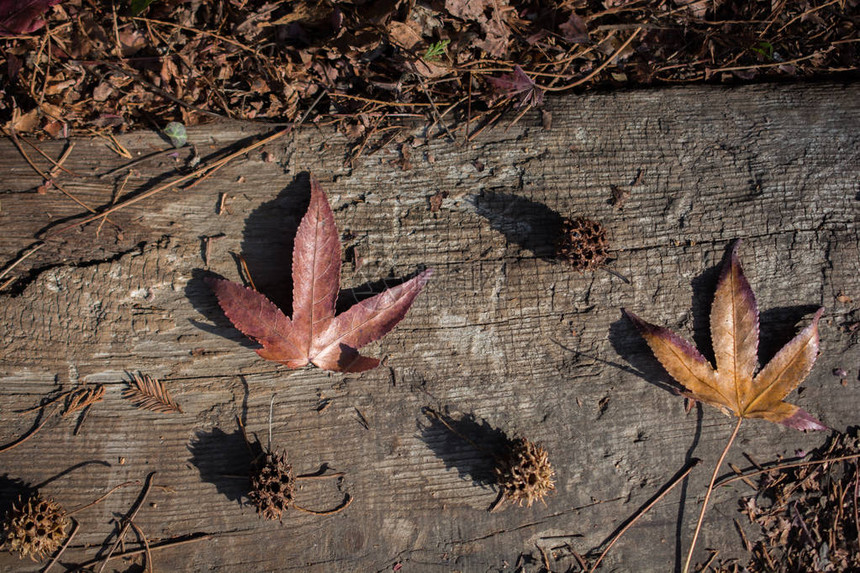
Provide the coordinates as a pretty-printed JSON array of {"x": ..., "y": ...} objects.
[{"x": 734, "y": 384}]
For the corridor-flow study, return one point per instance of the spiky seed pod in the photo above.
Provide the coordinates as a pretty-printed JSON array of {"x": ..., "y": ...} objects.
[
  {"x": 525, "y": 474},
  {"x": 272, "y": 484},
  {"x": 582, "y": 243},
  {"x": 34, "y": 527}
]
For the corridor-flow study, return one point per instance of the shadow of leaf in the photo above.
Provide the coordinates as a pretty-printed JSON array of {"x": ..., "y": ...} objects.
[
  {"x": 629, "y": 345},
  {"x": 778, "y": 325},
  {"x": 267, "y": 248}
]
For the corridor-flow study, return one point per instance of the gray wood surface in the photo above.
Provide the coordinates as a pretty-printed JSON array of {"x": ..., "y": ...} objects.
[{"x": 503, "y": 334}]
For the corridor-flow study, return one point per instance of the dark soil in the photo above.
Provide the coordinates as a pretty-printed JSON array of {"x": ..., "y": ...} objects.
[{"x": 456, "y": 63}]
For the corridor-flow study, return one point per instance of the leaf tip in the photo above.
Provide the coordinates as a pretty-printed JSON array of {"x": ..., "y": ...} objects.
[
  {"x": 802, "y": 420},
  {"x": 641, "y": 325}
]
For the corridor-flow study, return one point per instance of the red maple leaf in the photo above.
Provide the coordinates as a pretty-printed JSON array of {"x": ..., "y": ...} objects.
[{"x": 314, "y": 335}]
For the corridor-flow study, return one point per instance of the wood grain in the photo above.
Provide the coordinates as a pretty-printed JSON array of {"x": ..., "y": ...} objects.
[{"x": 501, "y": 333}]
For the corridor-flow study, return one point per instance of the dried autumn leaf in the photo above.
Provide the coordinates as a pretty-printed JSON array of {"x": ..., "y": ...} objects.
[
  {"x": 733, "y": 385},
  {"x": 23, "y": 16},
  {"x": 518, "y": 84},
  {"x": 314, "y": 335},
  {"x": 149, "y": 393}
]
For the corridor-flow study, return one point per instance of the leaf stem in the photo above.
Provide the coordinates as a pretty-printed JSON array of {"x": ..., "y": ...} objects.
[
  {"x": 679, "y": 477},
  {"x": 708, "y": 495}
]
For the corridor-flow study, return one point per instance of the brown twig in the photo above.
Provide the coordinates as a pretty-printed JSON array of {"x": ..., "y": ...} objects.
[
  {"x": 711, "y": 72},
  {"x": 131, "y": 552},
  {"x": 14, "y": 137},
  {"x": 632, "y": 520},
  {"x": 147, "y": 486},
  {"x": 29, "y": 434},
  {"x": 785, "y": 466},
  {"x": 145, "y": 541},
  {"x": 102, "y": 498},
  {"x": 710, "y": 560},
  {"x": 196, "y": 31},
  {"x": 56, "y": 557},
  {"x": 154, "y": 155},
  {"x": 114, "y": 196},
  {"x": 244, "y": 265},
  {"x": 437, "y": 116},
  {"x": 193, "y": 175},
  {"x": 320, "y": 476},
  {"x": 36, "y": 246},
  {"x": 346, "y": 503},
  {"x": 596, "y": 70},
  {"x": 57, "y": 163},
  {"x": 710, "y": 490}
]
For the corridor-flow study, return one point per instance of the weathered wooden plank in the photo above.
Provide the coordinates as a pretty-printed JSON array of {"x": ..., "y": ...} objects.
[{"x": 501, "y": 332}]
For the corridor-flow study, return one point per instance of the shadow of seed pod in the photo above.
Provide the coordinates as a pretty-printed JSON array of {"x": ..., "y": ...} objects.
[
  {"x": 34, "y": 527},
  {"x": 520, "y": 468}
]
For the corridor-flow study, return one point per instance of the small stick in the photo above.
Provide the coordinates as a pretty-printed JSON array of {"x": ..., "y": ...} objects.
[
  {"x": 362, "y": 420},
  {"x": 579, "y": 559},
  {"x": 746, "y": 480},
  {"x": 14, "y": 137},
  {"x": 708, "y": 495},
  {"x": 346, "y": 503},
  {"x": 222, "y": 204},
  {"x": 57, "y": 164},
  {"x": 36, "y": 246},
  {"x": 69, "y": 470},
  {"x": 139, "y": 160},
  {"x": 819, "y": 53},
  {"x": 145, "y": 546},
  {"x": 196, "y": 31},
  {"x": 247, "y": 272},
  {"x": 632, "y": 520},
  {"x": 799, "y": 518},
  {"x": 435, "y": 109},
  {"x": 616, "y": 274},
  {"x": 55, "y": 558},
  {"x": 596, "y": 70},
  {"x": 856, "y": 498},
  {"x": 388, "y": 103},
  {"x": 320, "y": 476},
  {"x": 271, "y": 412},
  {"x": 131, "y": 552},
  {"x": 468, "y": 108},
  {"x": 786, "y": 466},
  {"x": 545, "y": 558},
  {"x": 207, "y": 247},
  {"x": 113, "y": 199},
  {"x": 28, "y": 435},
  {"x": 128, "y": 519},
  {"x": 500, "y": 499},
  {"x": 713, "y": 556},
  {"x": 102, "y": 498},
  {"x": 193, "y": 175}
]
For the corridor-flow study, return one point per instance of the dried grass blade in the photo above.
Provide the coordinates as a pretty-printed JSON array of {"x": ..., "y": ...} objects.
[{"x": 149, "y": 393}]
